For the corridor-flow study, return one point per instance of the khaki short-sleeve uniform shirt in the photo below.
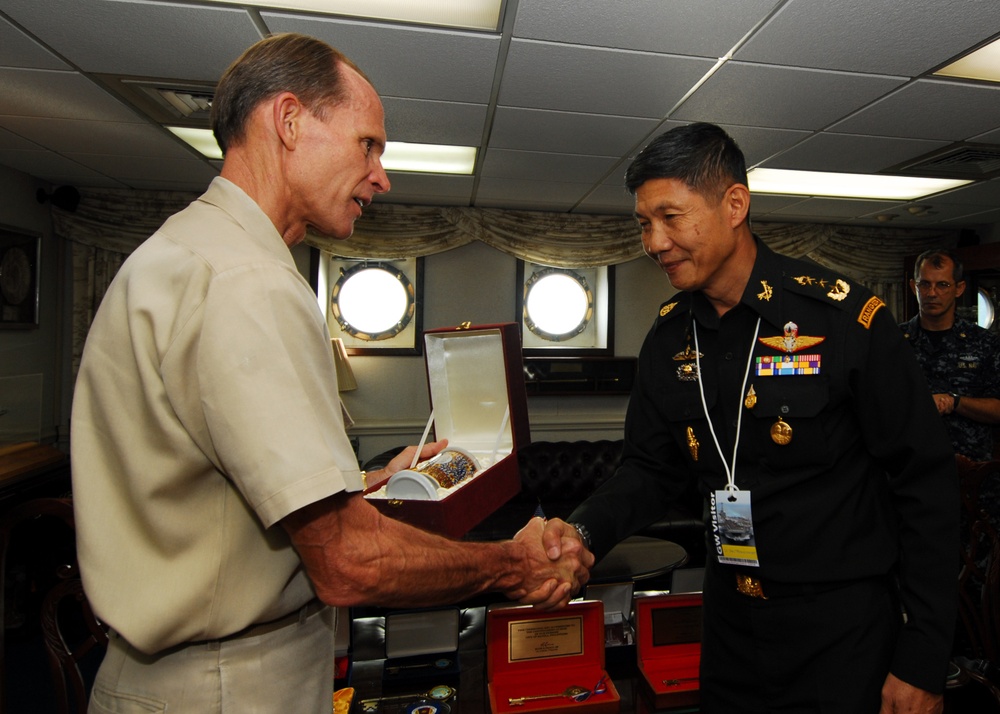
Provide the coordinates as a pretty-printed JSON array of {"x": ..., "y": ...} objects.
[{"x": 206, "y": 410}]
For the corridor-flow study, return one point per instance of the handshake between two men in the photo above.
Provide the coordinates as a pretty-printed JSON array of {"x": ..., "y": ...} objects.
[{"x": 354, "y": 555}]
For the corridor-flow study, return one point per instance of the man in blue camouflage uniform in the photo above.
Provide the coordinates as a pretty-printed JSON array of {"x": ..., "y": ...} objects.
[
  {"x": 790, "y": 397},
  {"x": 960, "y": 359}
]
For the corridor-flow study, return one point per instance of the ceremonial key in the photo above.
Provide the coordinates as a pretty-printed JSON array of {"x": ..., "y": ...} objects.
[
  {"x": 576, "y": 693},
  {"x": 676, "y": 682},
  {"x": 438, "y": 664}
]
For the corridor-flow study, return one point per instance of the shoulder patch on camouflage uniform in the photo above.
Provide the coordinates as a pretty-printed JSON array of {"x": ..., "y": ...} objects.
[{"x": 868, "y": 311}]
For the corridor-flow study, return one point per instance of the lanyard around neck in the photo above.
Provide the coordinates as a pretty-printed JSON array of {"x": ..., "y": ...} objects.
[{"x": 730, "y": 471}]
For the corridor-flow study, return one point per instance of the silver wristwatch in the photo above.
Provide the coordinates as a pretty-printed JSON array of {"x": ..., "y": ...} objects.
[{"x": 584, "y": 534}]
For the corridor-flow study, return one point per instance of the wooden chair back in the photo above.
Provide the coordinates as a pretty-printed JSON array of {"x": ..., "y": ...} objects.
[{"x": 71, "y": 633}]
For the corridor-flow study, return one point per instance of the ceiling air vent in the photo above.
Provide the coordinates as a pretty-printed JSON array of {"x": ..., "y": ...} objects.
[
  {"x": 964, "y": 161},
  {"x": 165, "y": 101},
  {"x": 191, "y": 104},
  {"x": 187, "y": 103}
]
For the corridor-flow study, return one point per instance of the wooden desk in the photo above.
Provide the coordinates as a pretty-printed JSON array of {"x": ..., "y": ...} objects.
[{"x": 29, "y": 468}]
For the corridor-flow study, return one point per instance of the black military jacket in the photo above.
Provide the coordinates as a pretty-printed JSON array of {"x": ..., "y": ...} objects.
[{"x": 867, "y": 484}]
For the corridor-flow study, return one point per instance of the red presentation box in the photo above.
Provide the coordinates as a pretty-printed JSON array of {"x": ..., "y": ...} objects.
[
  {"x": 668, "y": 647},
  {"x": 532, "y": 653},
  {"x": 476, "y": 379}
]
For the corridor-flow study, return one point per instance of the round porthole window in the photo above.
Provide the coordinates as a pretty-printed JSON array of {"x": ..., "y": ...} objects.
[
  {"x": 558, "y": 304},
  {"x": 372, "y": 301},
  {"x": 986, "y": 310}
]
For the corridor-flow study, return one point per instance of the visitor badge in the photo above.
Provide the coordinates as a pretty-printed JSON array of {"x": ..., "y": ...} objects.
[{"x": 732, "y": 528}]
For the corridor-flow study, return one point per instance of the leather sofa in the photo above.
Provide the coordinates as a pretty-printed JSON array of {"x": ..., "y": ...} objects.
[{"x": 557, "y": 475}]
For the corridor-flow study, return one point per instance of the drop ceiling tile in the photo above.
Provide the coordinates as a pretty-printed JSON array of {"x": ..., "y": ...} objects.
[
  {"x": 405, "y": 187},
  {"x": 151, "y": 39},
  {"x": 196, "y": 187},
  {"x": 836, "y": 207},
  {"x": 935, "y": 212},
  {"x": 545, "y": 75},
  {"x": 930, "y": 109},
  {"x": 132, "y": 168},
  {"x": 764, "y": 203},
  {"x": 539, "y": 166},
  {"x": 56, "y": 169},
  {"x": 781, "y": 97},
  {"x": 851, "y": 153},
  {"x": 987, "y": 218},
  {"x": 64, "y": 95},
  {"x": 984, "y": 193},
  {"x": 11, "y": 141},
  {"x": 758, "y": 143},
  {"x": 876, "y": 36},
  {"x": 98, "y": 137},
  {"x": 566, "y": 132},
  {"x": 430, "y": 122},
  {"x": 424, "y": 199},
  {"x": 616, "y": 177},
  {"x": 448, "y": 86},
  {"x": 608, "y": 199},
  {"x": 406, "y": 61},
  {"x": 708, "y": 28},
  {"x": 530, "y": 195},
  {"x": 19, "y": 50},
  {"x": 989, "y": 137}
]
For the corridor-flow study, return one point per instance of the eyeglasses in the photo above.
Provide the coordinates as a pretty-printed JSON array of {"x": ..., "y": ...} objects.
[{"x": 925, "y": 286}]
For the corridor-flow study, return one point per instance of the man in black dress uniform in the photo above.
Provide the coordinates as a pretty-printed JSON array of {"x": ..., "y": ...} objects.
[{"x": 789, "y": 394}]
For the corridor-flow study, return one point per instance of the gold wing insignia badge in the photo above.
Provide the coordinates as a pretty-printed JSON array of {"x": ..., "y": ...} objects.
[
  {"x": 791, "y": 341},
  {"x": 794, "y": 345}
]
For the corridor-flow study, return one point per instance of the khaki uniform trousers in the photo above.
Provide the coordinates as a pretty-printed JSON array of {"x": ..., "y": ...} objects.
[{"x": 283, "y": 671}]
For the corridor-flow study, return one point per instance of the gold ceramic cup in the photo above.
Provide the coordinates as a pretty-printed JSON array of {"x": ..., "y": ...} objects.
[
  {"x": 445, "y": 470},
  {"x": 450, "y": 467}
]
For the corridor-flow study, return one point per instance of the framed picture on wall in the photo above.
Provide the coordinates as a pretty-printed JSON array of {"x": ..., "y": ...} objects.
[{"x": 19, "y": 259}]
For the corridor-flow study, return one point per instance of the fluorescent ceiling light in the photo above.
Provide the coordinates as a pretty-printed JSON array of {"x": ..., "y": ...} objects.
[
  {"x": 818, "y": 183},
  {"x": 468, "y": 14},
  {"x": 429, "y": 158},
  {"x": 983, "y": 64},
  {"x": 201, "y": 139},
  {"x": 398, "y": 155}
]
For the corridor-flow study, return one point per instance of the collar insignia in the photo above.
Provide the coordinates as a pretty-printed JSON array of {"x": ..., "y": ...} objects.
[
  {"x": 767, "y": 292},
  {"x": 838, "y": 291},
  {"x": 667, "y": 308}
]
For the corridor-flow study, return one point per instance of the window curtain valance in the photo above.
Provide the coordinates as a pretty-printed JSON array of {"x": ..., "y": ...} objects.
[
  {"x": 118, "y": 220},
  {"x": 110, "y": 223}
]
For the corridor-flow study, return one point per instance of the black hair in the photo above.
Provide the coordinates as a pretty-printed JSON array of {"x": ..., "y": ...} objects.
[{"x": 701, "y": 155}]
